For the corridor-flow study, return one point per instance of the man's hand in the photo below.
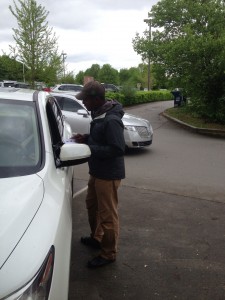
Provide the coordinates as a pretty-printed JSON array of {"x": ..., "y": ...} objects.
[{"x": 79, "y": 138}]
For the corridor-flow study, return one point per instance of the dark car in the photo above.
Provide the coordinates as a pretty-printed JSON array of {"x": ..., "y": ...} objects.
[
  {"x": 109, "y": 87},
  {"x": 22, "y": 85}
]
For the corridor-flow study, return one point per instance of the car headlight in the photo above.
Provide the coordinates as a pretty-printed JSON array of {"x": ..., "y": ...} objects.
[
  {"x": 130, "y": 127},
  {"x": 38, "y": 288}
]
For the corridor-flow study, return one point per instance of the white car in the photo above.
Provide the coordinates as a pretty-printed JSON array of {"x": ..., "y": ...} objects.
[
  {"x": 67, "y": 88},
  {"x": 7, "y": 83},
  {"x": 138, "y": 132},
  {"x": 36, "y": 192}
]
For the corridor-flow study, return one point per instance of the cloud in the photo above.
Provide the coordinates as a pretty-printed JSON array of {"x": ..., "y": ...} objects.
[{"x": 99, "y": 31}]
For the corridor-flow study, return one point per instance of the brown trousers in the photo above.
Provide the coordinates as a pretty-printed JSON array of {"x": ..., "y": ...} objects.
[{"x": 102, "y": 206}]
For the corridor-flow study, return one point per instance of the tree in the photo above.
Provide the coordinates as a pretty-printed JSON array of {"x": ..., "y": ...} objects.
[
  {"x": 131, "y": 77},
  {"x": 189, "y": 46},
  {"x": 80, "y": 77},
  {"x": 10, "y": 69},
  {"x": 93, "y": 71},
  {"x": 160, "y": 80},
  {"x": 69, "y": 78},
  {"x": 108, "y": 74},
  {"x": 36, "y": 45}
]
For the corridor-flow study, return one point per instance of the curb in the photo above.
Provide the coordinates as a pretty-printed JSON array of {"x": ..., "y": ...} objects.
[{"x": 205, "y": 131}]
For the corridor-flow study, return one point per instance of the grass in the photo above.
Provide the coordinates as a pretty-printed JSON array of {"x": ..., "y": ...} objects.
[{"x": 187, "y": 117}]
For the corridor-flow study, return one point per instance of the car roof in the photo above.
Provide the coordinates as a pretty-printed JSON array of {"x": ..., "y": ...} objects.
[
  {"x": 69, "y": 84},
  {"x": 18, "y": 94}
]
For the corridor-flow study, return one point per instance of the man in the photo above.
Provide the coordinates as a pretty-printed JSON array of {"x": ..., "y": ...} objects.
[{"x": 106, "y": 169}]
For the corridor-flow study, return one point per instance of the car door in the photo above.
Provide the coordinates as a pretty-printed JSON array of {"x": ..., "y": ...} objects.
[{"x": 75, "y": 114}]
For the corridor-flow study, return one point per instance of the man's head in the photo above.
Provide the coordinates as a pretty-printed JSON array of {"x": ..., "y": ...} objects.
[{"x": 92, "y": 95}]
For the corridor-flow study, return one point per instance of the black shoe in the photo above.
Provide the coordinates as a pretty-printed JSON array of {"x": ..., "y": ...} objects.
[
  {"x": 90, "y": 242},
  {"x": 99, "y": 262}
]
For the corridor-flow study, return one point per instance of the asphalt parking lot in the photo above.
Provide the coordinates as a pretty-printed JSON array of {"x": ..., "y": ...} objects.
[
  {"x": 171, "y": 247},
  {"x": 172, "y": 225}
]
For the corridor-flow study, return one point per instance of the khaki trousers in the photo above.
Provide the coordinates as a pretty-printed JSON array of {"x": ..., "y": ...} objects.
[{"x": 102, "y": 206}]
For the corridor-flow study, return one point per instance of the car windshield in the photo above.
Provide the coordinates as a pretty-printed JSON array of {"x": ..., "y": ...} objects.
[{"x": 19, "y": 139}]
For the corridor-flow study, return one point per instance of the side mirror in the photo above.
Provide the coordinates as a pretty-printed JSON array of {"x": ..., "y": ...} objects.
[
  {"x": 82, "y": 112},
  {"x": 73, "y": 154}
]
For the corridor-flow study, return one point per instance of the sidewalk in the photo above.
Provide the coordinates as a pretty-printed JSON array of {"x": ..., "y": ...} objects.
[{"x": 171, "y": 247}]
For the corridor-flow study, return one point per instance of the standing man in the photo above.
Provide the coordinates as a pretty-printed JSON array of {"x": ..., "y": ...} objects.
[{"x": 106, "y": 169}]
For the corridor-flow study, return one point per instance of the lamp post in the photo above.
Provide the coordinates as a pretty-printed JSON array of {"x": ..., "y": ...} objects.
[
  {"x": 64, "y": 68},
  {"x": 23, "y": 72},
  {"x": 149, "y": 22}
]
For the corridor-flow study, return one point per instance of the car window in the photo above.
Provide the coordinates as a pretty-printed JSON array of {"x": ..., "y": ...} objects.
[
  {"x": 55, "y": 118},
  {"x": 56, "y": 126},
  {"x": 21, "y": 85},
  {"x": 71, "y": 105},
  {"x": 60, "y": 101},
  {"x": 68, "y": 104},
  {"x": 20, "y": 145},
  {"x": 65, "y": 88},
  {"x": 75, "y": 88},
  {"x": 110, "y": 87},
  {"x": 8, "y": 83},
  {"x": 61, "y": 88}
]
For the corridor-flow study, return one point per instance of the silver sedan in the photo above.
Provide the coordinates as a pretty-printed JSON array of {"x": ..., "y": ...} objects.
[{"x": 138, "y": 132}]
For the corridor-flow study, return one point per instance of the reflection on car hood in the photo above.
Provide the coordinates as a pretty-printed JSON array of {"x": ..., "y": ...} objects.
[
  {"x": 19, "y": 202},
  {"x": 134, "y": 120}
]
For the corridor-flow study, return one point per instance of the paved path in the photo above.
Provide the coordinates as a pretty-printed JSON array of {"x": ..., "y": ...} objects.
[
  {"x": 171, "y": 247},
  {"x": 172, "y": 236}
]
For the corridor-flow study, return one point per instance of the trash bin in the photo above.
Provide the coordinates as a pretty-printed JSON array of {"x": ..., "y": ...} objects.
[{"x": 179, "y": 99}]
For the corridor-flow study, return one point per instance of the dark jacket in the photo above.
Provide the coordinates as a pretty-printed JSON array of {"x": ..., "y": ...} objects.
[{"x": 106, "y": 141}]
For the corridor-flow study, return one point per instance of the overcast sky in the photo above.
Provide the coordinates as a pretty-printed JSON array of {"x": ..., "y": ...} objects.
[{"x": 88, "y": 31}]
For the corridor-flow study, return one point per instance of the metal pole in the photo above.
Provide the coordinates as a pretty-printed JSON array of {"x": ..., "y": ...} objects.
[
  {"x": 23, "y": 73},
  {"x": 64, "y": 68},
  {"x": 149, "y": 22}
]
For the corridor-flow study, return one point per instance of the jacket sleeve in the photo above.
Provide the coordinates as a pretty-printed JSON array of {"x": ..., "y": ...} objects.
[{"x": 114, "y": 137}]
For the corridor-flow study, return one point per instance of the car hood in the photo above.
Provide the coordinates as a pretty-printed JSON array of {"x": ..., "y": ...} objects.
[
  {"x": 133, "y": 120},
  {"x": 20, "y": 199}
]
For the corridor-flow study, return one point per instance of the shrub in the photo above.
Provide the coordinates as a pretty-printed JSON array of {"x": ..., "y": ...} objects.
[{"x": 138, "y": 97}]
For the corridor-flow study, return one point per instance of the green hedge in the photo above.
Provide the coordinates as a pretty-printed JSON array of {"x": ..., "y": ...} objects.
[{"x": 140, "y": 97}]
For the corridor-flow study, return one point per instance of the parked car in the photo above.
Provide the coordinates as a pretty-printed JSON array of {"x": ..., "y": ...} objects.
[
  {"x": 67, "y": 88},
  {"x": 7, "y": 83},
  {"x": 13, "y": 83},
  {"x": 110, "y": 87},
  {"x": 36, "y": 156},
  {"x": 138, "y": 132},
  {"x": 22, "y": 85}
]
